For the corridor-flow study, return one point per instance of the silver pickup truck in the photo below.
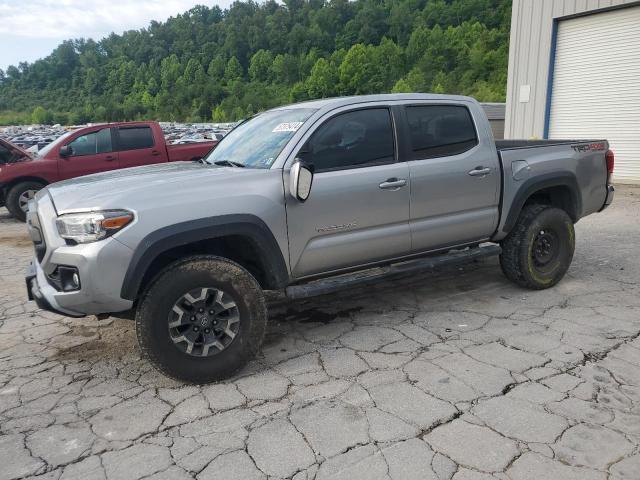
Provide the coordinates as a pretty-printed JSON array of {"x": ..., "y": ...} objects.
[{"x": 306, "y": 199}]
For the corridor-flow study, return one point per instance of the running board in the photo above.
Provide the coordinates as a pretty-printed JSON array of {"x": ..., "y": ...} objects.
[{"x": 333, "y": 284}]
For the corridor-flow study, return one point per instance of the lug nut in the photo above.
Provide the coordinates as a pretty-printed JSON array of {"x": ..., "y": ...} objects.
[
  {"x": 211, "y": 312},
  {"x": 195, "y": 329},
  {"x": 206, "y": 330},
  {"x": 215, "y": 322},
  {"x": 193, "y": 319},
  {"x": 201, "y": 310}
]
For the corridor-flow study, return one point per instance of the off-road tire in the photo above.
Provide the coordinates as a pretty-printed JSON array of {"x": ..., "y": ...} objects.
[
  {"x": 174, "y": 281},
  {"x": 12, "y": 201},
  {"x": 518, "y": 260}
]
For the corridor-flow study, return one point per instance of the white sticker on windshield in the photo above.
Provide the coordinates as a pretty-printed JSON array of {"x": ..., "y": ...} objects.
[{"x": 288, "y": 127}]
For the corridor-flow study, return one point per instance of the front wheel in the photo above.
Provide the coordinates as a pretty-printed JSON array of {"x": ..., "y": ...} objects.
[
  {"x": 18, "y": 197},
  {"x": 538, "y": 251},
  {"x": 202, "y": 319}
]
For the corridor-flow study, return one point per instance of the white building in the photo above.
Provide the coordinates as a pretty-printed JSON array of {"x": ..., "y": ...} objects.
[{"x": 574, "y": 72}]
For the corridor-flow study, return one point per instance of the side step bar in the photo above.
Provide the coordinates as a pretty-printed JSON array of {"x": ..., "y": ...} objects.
[{"x": 333, "y": 284}]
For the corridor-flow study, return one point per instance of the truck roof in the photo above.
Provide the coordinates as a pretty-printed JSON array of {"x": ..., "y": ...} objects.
[
  {"x": 117, "y": 124},
  {"x": 336, "y": 102}
]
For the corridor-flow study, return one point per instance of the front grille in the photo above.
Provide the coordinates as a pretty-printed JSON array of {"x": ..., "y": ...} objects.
[{"x": 37, "y": 237}]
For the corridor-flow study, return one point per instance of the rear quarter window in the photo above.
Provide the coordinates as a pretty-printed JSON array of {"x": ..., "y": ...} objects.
[
  {"x": 440, "y": 130},
  {"x": 134, "y": 138}
]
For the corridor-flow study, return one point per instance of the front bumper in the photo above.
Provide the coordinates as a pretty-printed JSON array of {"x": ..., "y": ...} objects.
[
  {"x": 611, "y": 191},
  {"x": 34, "y": 293},
  {"x": 101, "y": 267}
]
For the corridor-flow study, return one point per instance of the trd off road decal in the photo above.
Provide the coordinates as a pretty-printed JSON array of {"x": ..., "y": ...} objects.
[{"x": 589, "y": 147}]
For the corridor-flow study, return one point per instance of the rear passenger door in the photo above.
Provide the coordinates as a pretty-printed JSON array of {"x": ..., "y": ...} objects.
[
  {"x": 138, "y": 146},
  {"x": 455, "y": 176}
]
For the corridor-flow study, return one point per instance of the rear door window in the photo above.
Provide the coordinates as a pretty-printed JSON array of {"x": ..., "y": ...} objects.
[
  {"x": 134, "y": 138},
  {"x": 440, "y": 130}
]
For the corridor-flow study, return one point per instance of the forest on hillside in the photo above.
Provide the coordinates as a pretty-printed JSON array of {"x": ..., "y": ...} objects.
[{"x": 210, "y": 64}]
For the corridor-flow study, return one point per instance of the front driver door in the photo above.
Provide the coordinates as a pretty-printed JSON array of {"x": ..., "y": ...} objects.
[
  {"x": 91, "y": 152},
  {"x": 358, "y": 209}
]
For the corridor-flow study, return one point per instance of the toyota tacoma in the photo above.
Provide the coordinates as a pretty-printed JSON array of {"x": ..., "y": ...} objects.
[{"x": 306, "y": 199}]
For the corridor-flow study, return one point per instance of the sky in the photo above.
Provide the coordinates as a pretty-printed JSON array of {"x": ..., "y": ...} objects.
[{"x": 31, "y": 29}]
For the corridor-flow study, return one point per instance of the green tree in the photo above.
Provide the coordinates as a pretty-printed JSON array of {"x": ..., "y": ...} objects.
[
  {"x": 40, "y": 115},
  {"x": 401, "y": 86},
  {"x": 207, "y": 63},
  {"x": 233, "y": 70},
  {"x": 216, "y": 68},
  {"x": 260, "y": 65},
  {"x": 414, "y": 81},
  {"x": 218, "y": 115},
  {"x": 323, "y": 81}
]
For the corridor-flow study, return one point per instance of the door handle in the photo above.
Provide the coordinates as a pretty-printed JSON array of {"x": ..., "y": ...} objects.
[
  {"x": 109, "y": 158},
  {"x": 155, "y": 153},
  {"x": 479, "y": 172},
  {"x": 393, "y": 183}
]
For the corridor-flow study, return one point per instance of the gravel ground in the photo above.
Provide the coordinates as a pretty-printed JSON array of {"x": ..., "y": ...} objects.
[{"x": 455, "y": 375}]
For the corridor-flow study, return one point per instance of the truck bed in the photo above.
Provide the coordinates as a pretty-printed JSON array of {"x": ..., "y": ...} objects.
[
  {"x": 530, "y": 164},
  {"x": 189, "y": 151}
]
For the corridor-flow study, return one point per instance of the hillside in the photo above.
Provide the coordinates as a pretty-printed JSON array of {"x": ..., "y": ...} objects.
[{"x": 213, "y": 64}]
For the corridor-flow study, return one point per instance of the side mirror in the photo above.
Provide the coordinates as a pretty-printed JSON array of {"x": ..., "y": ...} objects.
[
  {"x": 66, "y": 151},
  {"x": 301, "y": 180}
]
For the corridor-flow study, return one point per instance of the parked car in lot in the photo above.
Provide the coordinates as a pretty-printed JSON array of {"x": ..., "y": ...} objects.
[
  {"x": 10, "y": 153},
  {"x": 93, "y": 149},
  {"x": 306, "y": 199}
]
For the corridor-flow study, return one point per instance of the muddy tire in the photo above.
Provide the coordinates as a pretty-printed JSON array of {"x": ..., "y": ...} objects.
[
  {"x": 18, "y": 196},
  {"x": 201, "y": 319},
  {"x": 538, "y": 251}
]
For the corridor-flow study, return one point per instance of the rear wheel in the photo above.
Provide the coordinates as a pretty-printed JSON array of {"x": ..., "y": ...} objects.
[
  {"x": 202, "y": 319},
  {"x": 539, "y": 250},
  {"x": 18, "y": 197}
]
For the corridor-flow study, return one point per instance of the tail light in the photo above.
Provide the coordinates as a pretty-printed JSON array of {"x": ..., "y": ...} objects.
[{"x": 609, "y": 157}]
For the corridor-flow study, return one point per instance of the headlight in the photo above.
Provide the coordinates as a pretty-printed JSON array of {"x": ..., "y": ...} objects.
[{"x": 92, "y": 226}]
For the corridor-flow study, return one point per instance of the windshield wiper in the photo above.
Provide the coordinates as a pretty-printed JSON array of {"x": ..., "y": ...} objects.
[{"x": 228, "y": 163}]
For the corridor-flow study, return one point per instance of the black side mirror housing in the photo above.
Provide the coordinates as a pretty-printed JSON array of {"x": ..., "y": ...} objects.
[{"x": 66, "y": 151}]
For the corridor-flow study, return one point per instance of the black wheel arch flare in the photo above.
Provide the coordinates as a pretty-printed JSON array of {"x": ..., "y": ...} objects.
[
  {"x": 185, "y": 233},
  {"x": 538, "y": 184}
]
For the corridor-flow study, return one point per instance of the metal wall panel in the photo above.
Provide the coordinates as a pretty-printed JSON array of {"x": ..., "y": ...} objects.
[
  {"x": 596, "y": 84},
  {"x": 532, "y": 26}
]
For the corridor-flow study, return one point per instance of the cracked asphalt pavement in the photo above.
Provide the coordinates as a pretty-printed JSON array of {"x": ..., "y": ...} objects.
[{"x": 450, "y": 375}]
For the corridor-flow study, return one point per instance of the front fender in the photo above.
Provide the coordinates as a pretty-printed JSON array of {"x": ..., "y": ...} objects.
[{"x": 185, "y": 233}]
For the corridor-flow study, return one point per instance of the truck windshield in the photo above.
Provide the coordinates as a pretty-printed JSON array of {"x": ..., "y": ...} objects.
[{"x": 257, "y": 142}]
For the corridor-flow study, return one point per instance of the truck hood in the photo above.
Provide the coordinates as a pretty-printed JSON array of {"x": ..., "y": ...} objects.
[
  {"x": 21, "y": 154},
  {"x": 126, "y": 188}
]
